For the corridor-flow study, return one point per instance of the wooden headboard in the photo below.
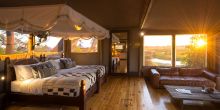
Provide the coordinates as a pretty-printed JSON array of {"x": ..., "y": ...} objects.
[{"x": 10, "y": 72}]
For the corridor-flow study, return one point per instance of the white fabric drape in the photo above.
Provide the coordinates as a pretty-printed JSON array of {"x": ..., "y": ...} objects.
[
  {"x": 60, "y": 20},
  {"x": 115, "y": 39}
]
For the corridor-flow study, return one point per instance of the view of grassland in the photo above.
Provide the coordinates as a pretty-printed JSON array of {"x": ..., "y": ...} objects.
[
  {"x": 157, "y": 55},
  {"x": 190, "y": 51}
]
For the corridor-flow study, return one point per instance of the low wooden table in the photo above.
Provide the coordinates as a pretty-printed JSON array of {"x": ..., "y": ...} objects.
[{"x": 197, "y": 95}]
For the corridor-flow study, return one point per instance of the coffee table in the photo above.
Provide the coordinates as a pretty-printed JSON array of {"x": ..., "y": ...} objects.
[{"x": 196, "y": 95}]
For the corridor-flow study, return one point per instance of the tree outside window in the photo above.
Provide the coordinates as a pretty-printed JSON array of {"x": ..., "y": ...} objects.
[
  {"x": 191, "y": 50},
  {"x": 13, "y": 42}
]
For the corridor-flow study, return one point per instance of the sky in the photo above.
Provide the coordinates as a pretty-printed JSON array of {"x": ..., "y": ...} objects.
[
  {"x": 2, "y": 32},
  {"x": 82, "y": 43},
  {"x": 162, "y": 40},
  {"x": 22, "y": 37},
  {"x": 52, "y": 41}
]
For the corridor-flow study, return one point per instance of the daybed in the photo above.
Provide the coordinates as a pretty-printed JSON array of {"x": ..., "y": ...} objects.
[
  {"x": 183, "y": 77},
  {"x": 47, "y": 84}
]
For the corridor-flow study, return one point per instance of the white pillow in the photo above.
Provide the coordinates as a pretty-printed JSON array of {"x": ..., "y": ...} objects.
[
  {"x": 56, "y": 63},
  {"x": 23, "y": 72}
]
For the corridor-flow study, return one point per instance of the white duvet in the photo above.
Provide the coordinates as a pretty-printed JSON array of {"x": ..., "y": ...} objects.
[
  {"x": 35, "y": 86},
  {"x": 29, "y": 86}
]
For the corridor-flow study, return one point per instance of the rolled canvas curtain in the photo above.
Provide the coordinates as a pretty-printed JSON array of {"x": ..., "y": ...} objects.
[
  {"x": 60, "y": 20},
  {"x": 67, "y": 48}
]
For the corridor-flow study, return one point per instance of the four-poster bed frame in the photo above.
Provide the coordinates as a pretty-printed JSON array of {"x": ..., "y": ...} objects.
[{"x": 79, "y": 101}]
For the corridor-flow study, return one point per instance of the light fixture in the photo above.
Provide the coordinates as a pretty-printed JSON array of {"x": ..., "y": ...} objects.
[
  {"x": 142, "y": 33},
  {"x": 77, "y": 27},
  {"x": 2, "y": 78}
]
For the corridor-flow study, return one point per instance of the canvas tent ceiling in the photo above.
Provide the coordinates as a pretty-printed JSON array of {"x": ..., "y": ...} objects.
[
  {"x": 110, "y": 14},
  {"x": 183, "y": 15},
  {"x": 60, "y": 20}
]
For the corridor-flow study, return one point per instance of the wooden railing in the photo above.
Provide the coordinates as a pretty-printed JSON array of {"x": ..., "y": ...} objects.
[
  {"x": 15, "y": 56},
  {"x": 46, "y": 53},
  {"x": 28, "y": 55}
]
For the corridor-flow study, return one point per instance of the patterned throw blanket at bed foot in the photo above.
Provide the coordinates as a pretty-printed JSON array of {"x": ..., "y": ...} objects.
[
  {"x": 99, "y": 68},
  {"x": 68, "y": 84}
]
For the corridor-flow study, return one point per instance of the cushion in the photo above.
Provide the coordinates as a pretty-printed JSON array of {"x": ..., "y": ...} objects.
[
  {"x": 190, "y": 72},
  {"x": 43, "y": 70},
  {"x": 186, "y": 81},
  {"x": 23, "y": 72},
  {"x": 57, "y": 64},
  {"x": 68, "y": 63},
  {"x": 35, "y": 71},
  {"x": 209, "y": 75},
  {"x": 168, "y": 71}
]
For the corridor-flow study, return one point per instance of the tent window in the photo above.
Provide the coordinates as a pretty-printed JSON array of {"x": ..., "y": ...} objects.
[
  {"x": 157, "y": 50},
  {"x": 80, "y": 45},
  {"x": 2, "y": 41},
  {"x": 190, "y": 50},
  {"x": 14, "y": 43},
  {"x": 52, "y": 44}
]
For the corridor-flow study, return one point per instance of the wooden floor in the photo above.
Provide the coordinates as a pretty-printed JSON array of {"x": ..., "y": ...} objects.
[
  {"x": 121, "y": 67},
  {"x": 126, "y": 93}
]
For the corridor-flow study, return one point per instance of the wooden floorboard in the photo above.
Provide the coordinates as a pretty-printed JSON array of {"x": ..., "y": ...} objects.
[{"x": 126, "y": 93}]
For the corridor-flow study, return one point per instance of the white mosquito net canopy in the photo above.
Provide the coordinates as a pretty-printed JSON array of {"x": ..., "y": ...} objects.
[{"x": 60, "y": 20}]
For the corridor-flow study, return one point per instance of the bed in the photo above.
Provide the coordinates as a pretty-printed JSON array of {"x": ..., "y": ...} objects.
[
  {"x": 102, "y": 69},
  {"x": 65, "y": 88}
]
